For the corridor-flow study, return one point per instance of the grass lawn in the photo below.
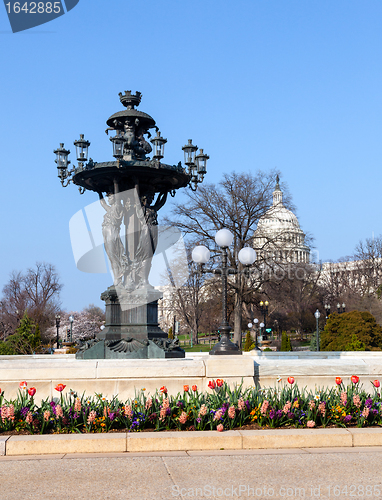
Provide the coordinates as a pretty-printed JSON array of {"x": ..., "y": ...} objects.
[{"x": 198, "y": 348}]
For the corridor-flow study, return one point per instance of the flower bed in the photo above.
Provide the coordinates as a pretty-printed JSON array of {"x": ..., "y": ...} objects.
[{"x": 221, "y": 408}]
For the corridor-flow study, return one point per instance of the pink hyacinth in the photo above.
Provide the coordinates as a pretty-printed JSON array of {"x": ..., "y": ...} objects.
[
  {"x": 312, "y": 404},
  {"x": 241, "y": 404},
  {"x": 311, "y": 423},
  {"x": 231, "y": 412},
  {"x": 46, "y": 415},
  {"x": 287, "y": 407},
  {"x": 7, "y": 413},
  {"x": 357, "y": 400},
  {"x": 4, "y": 413},
  {"x": 59, "y": 412},
  {"x": 77, "y": 405},
  {"x": 149, "y": 403},
  {"x": 91, "y": 417},
  {"x": 203, "y": 411},
  {"x": 183, "y": 417},
  {"x": 218, "y": 415},
  {"x": 163, "y": 410},
  {"x": 365, "y": 412},
  {"x": 322, "y": 408},
  {"x": 344, "y": 398},
  {"x": 128, "y": 411},
  {"x": 29, "y": 418},
  {"x": 264, "y": 407}
]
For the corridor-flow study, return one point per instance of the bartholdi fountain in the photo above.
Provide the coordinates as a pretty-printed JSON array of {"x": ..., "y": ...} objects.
[{"x": 136, "y": 187}]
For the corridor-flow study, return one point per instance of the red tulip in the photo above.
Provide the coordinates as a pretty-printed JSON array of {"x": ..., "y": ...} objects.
[
  {"x": 219, "y": 382},
  {"x": 60, "y": 387},
  {"x": 375, "y": 383},
  {"x": 23, "y": 385},
  {"x": 291, "y": 380},
  {"x": 194, "y": 388},
  {"x": 32, "y": 391},
  {"x": 186, "y": 388},
  {"x": 212, "y": 384},
  {"x": 163, "y": 389},
  {"x": 338, "y": 380},
  {"x": 354, "y": 379}
]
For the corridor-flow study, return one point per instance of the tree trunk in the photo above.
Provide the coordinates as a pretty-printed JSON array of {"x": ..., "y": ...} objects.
[{"x": 195, "y": 339}]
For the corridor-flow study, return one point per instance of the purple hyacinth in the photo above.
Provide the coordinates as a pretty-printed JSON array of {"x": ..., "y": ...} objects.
[
  {"x": 347, "y": 418},
  {"x": 279, "y": 413},
  {"x": 369, "y": 403},
  {"x": 272, "y": 413},
  {"x": 24, "y": 411}
]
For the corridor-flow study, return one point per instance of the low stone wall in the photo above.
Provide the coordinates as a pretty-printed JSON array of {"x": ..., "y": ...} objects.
[{"x": 125, "y": 377}]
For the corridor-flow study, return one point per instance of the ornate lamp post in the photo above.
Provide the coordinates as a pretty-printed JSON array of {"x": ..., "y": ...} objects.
[
  {"x": 71, "y": 319},
  {"x": 341, "y": 309},
  {"x": 317, "y": 316},
  {"x": 58, "y": 319},
  {"x": 247, "y": 257},
  {"x": 264, "y": 312},
  {"x": 254, "y": 326},
  {"x": 131, "y": 183},
  {"x": 327, "y": 310}
]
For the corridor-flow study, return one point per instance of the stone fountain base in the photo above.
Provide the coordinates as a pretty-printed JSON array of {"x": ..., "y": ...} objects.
[{"x": 131, "y": 329}]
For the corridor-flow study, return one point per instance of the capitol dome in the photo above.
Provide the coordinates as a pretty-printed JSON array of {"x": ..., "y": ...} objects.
[{"x": 278, "y": 235}]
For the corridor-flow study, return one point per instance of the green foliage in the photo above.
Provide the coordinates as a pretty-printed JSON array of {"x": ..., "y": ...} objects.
[
  {"x": 341, "y": 329},
  {"x": 313, "y": 342},
  {"x": 6, "y": 349},
  {"x": 285, "y": 342},
  {"x": 355, "y": 344},
  {"x": 248, "y": 343},
  {"x": 26, "y": 339},
  {"x": 170, "y": 334}
]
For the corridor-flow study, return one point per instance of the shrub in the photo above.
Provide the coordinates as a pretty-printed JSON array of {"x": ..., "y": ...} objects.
[
  {"x": 351, "y": 329},
  {"x": 285, "y": 342}
]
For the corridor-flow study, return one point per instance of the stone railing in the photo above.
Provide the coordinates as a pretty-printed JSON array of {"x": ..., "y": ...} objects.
[{"x": 125, "y": 377}]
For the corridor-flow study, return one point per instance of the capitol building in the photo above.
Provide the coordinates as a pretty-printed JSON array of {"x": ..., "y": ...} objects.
[{"x": 278, "y": 237}]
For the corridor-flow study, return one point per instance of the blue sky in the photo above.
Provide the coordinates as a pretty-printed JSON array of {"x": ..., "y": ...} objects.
[{"x": 259, "y": 84}]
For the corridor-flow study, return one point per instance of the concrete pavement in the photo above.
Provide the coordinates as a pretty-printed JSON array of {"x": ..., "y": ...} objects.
[{"x": 324, "y": 473}]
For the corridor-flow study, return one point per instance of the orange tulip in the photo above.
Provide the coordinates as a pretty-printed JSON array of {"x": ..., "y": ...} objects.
[
  {"x": 338, "y": 380},
  {"x": 186, "y": 388},
  {"x": 23, "y": 385},
  {"x": 163, "y": 389},
  {"x": 354, "y": 379},
  {"x": 60, "y": 387},
  {"x": 375, "y": 383},
  {"x": 291, "y": 380},
  {"x": 32, "y": 391},
  {"x": 219, "y": 382},
  {"x": 194, "y": 388},
  {"x": 212, "y": 384}
]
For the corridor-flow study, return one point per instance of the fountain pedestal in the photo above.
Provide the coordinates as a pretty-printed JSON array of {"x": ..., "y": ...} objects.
[{"x": 131, "y": 330}]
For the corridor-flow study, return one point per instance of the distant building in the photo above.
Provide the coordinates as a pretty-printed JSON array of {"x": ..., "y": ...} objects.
[{"x": 278, "y": 236}]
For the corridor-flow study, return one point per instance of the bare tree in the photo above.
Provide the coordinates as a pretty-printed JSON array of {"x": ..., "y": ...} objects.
[
  {"x": 35, "y": 292},
  {"x": 236, "y": 203}
]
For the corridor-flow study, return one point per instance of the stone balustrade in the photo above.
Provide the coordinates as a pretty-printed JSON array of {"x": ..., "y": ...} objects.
[{"x": 125, "y": 377}]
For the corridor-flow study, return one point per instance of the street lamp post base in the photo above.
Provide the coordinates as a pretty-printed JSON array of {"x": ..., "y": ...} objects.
[{"x": 225, "y": 346}]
